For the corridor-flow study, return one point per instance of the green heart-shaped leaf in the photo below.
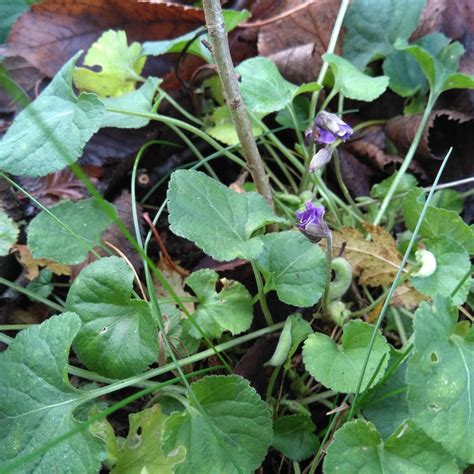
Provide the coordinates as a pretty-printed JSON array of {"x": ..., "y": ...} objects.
[
  {"x": 340, "y": 367},
  {"x": 118, "y": 337}
]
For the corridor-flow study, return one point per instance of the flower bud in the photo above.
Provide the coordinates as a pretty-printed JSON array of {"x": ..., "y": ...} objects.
[
  {"x": 321, "y": 158},
  {"x": 334, "y": 124},
  {"x": 311, "y": 222}
]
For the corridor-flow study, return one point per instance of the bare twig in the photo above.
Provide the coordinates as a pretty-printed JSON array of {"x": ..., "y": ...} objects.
[{"x": 225, "y": 68}]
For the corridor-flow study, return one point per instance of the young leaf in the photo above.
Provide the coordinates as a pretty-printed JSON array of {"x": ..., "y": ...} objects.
[
  {"x": 120, "y": 65},
  {"x": 393, "y": 19},
  {"x": 452, "y": 265},
  {"x": 437, "y": 222},
  {"x": 406, "y": 76},
  {"x": 118, "y": 338},
  {"x": 177, "y": 45},
  {"x": 8, "y": 233},
  {"x": 84, "y": 221},
  {"x": 386, "y": 405},
  {"x": 294, "y": 437},
  {"x": 42, "y": 285},
  {"x": 358, "y": 447},
  {"x": 52, "y": 131},
  {"x": 440, "y": 377},
  {"x": 381, "y": 189},
  {"x": 37, "y": 401},
  {"x": 354, "y": 84},
  {"x": 141, "y": 451},
  {"x": 294, "y": 267},
  {"x": 440, "y": 70},
  {"x": 233, "y": 435},
  {"x": 263, "y": 87},
  {"x": 448, "y": 199},
  {"x": 228, "y": 310},
  {"x": 339, "y": 367},
  {"x": 220, "y": 126},
  {"x": 140, "y": 100},
  {"x": 220, "y": 221}
]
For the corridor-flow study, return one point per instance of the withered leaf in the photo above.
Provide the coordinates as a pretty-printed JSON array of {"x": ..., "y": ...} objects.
[
  {"x": 374, "y": 261},
  {"x": 52, "y": 31},
  {"x": 297, "y": 41},
  {"x": 32, "y": 265},
  {"x": 54, "y": 187},
  {"x": 406, "y": 296},
  {"x": 445, "y": 129},
  {"x": 25, "y": 76}
]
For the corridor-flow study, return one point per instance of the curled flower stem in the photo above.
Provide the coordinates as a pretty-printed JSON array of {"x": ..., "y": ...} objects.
[{"x": 225, "y": 68}]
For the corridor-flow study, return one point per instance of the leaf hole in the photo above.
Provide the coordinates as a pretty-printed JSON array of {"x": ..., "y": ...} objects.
[
  {"x": 434, "y": 358},
  {"x": 104, "y": 330},
  {"x": 434, "y": 407}
]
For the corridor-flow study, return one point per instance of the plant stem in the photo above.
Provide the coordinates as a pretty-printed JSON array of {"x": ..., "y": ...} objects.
[
  {"x": 317, "y": 397},
  {"x": 31, "y": 294},
  {"x": 328, "y": 276},
  {"x": 119, "y": 385},
  {"x": 406, "y": 162},
  {"x": 331, "y": 47},
  {"x": 342, "y": 185},
  {"x": 395, "y": 283},
  {"x": 261, "y": 294},
  {"x": 225, "y": 68}
]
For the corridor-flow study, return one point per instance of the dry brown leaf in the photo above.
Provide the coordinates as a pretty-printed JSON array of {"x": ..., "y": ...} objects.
[
  {"x": 25, "y": 76},
  {"x": 407, "y": 297},
  {"x": 32, "y": 265},
  {"x": 297, "y": 41},
  {"x": 64, "y": 184},
  {"x": 54, "y": 30},
  {"x": 374, "y": 261},
  {"x": 445, "y": 129},
  {"x": 355, "y": 174}
]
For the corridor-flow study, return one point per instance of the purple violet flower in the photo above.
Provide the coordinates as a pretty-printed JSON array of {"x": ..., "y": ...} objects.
[
  {"x": 311, "y": 222},
  {"x": 327, "y": 127}
]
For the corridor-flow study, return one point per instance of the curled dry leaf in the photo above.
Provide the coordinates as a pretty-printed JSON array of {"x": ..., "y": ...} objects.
[
  {"x": 53, "y": 30},
  {"x": 25, "y": 76},
  {"x": 445, "y": 129},
  {"x": 374, "y": 261},
  {"x": 355, "y": 174},
  {"x": 54, "y": 187},
  {"x": 297, "y": 41},
  {"x": 371, "y": 148},
  {"x": 32, "y": 265}
]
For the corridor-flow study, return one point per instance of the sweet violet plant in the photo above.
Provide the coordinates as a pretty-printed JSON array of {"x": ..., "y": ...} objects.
[{"x": 319, "y": 270}]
